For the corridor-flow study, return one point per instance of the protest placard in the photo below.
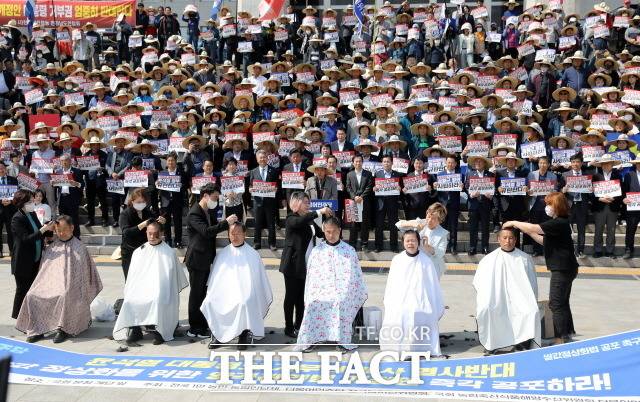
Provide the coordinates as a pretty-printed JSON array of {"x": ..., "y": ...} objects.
[
  {"x": 349, "y": 96},
  {"x": 579, "y": 184},
  {"x": 449, "y": 182},
  {"x": 592, "y": 152},
  {"x": 228, "y": 30},
  {"x": 506, "y": 94},
  {"x": 281, "y": 35},
  {"x": 168, "y": 182},
  {"x": 478, "y": 12},
  {"x": 331, "y": 36},
  {"x": 533, "y": 149},
  {"x": 607, "y": 188},
  {"x": 352, "y": 211},
  {"x": 525, "y": 50},
  {"x": 7, "y": 192},
  {"x": 451, "y": 144},
  {"x": 512, "y": 187},
  {"x": 567, "y": 42},
  {"x": 108, "y": 123},
  {"x": 494, "y": 37},
  {"x": 115, "y": 186},
  {"x": 89, "y": 162},
  {"x": 33, "y": 96},
  {"x": 352, "y": 20},
  {"x": 372, "y": 167},
  {"x": 509, "y": 140},
  {"x": 305, "y": 76},
  {"x": 634, "y": 201},
  {"x": 415, "y": 184},
  {"x": 561, "y": 156},
  {"x": 41, "y": 166},
  {"x": 631, "y": 96},
  {"x": 60, "y": 180},
  {"x": 435, "y": 165},
  {"x": 386, "y": 187},
  {"x": 294, "y": 180},
  {"x": 327, "y": 64},
  {"x": 601, "y": 31},
  {"x": 175, "y": 144},
  {"x": 547, "y": 55},
  {"x": 541, "y": 187},
  {"x": 414, "y": 33},
  {"x": 400, "y": 165},
  {"x": 245, "y": 47},
  {"x": 135, "y": 41},
  {"x": 231, "y": 184},
  {"x": 131, "y": 120},
  {"x": 197, "y": 182},
  {"x": 621, "y": 21},
  {"x": 477, "y": 148},
  {"x": 76, "y": 98},
  {"x": 266, "y": 189},
  {"x": 27, "y": 182},
  {"x": 344, "y": 158},
  {"x": 482, "y": 185},
  {"x": 136, "y": 178}
]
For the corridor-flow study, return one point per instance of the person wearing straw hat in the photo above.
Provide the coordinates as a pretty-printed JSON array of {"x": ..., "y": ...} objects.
[
  {"x": 537, "y": 214},
  {"x": 117, "y": 162},
  {"x": 512, "y": 207},
  {"x": 264, "y": 208},
  {"x": 449, "y": 199},
  {"x": 579, "y": 202},
  {"x": 44, "y": 151},
  {"x": 575, "y": 76},
  {"x": 95, "y": 179},
  {"x": 479, "y": 205},
  {"x": 321, "y": 186},
  {"x": 605, "y": 209},
  {"x": 196, "y": 155},
  {"x": 69, "y": 197},
  {"x": 171, "y": 202}
]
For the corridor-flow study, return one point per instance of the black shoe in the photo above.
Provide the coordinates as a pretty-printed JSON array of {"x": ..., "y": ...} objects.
[
  {"x": 179, "y": 245},
  {"x": 395, "y": 250},
  {"x": 291, "y": 333},
  {"x": 90, "y": 223},
  {"x": 454, "y": 251},
  {"x": 611, "y": 255},
  {"x": 105, "y": 223},
  {"x": 597, "y": 255},
  {"x": 214, "y": 343},
  {"x": 60, "y": 336},
  {"x": 273, "y": 248},
  {"x": 135, "y": 334},
  {"x": 472, "y": 251},
  {"x": 485, "y": 251},
  {"x": 157, "y": 338},
  {"x": 378, "y": 250},
  {"x": 627, "y": 255},
  {"x": 257, "y": 247},
  {"x": 365, "y": 246},
  {"x": 245, "y": 339},
  {"x": 34, "y": 338},
  {"x": 115, "y": 224}
]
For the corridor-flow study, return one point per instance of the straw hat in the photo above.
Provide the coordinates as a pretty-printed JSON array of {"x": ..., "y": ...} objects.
[
  {"x": 394, "y": 139},
  {"x": 320, "y": 164},
  {"x": 88, "y": 133},
  {"x": 95, "y": 140},
  {"x": 187, "y": 140},
  {"x": 367, "y": 143},
  {"x": 471, "y": 161},
  {"x": 230, "y": 139},
  {"x": 593, "y": 133},
  {"x": 565, "y": 107},
  {"x": 622, "y": 137},
  {"x": 495, "y": 151},
  {"x": 606, "y": 158},
  {"x": 436, "y": 148},
  {"x": 512, "y": 156},
  {"x": 553, "y": 141}
]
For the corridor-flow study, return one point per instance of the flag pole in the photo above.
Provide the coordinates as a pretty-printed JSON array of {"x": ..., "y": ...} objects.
[{"x": 55, "y": 35}]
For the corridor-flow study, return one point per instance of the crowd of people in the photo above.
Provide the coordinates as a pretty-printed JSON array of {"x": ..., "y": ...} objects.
[{"x": 417, "y": 106}]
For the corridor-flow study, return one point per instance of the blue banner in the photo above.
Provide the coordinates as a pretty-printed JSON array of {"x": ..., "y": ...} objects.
[
  {"x": 314, "y": 205},
  {"x": 358, "y": 10},
  {"x": 606, "y": 367}
]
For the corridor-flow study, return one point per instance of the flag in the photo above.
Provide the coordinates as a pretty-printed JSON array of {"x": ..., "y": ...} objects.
[
  {"x": 30, "y": 13},
  {"x": 358, "y": 10},
  {"x": 215, "y": 9},
  {"x": 270, "y": 9}
]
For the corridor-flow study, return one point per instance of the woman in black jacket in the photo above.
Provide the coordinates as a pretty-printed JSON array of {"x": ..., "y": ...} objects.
[
  {"x": 133, "y": 223},
  {"x": 28, "y": 244},
  {"x": 300, "y": 230},
  {"x": 555, "y": 236}
]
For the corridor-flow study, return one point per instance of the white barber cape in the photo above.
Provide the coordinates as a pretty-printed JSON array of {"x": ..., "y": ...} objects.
[
  {"x": 238, "y": 293},
  {"x": 507, "y": 299},
  {"x": 412, "y": 305},
  {"x": 334, "y": 292},
  {"x": 152, "y": 291}
]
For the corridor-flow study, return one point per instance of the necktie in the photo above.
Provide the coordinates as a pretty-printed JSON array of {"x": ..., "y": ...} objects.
[
  {"x": 296, "y": 169},
  {"x": 577, "y": 196},
  {"x": 262, "y": 174},
  {"x": 3, "y": 180}
]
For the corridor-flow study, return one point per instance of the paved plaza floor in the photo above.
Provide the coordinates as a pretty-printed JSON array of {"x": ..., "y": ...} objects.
[{"x": 601, "y": 304}]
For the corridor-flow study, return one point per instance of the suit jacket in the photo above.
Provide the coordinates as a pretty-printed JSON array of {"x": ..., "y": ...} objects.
[
  {"x": 419, "y": 200},
  {"x": 298, "y": 234},
  {"x": 272, "y": 176},
  {"x": 616, "y": 205},
  {"x": 75, "y": 193},
  {"x": 481, "y": 201},
  {"x": 202, "y": 237},
  {"x": 383, "y": 200},
  {"x": 537, "y": 202},
  {"x": 515, "y": 201},
  {"x": 631, "y": 184},
  {"x": 245, "y": 155},
  {"x": 348, "y": 146},
  {"x": 24, "y": 244},
  {"x": 450, "y": 198},
  {"x": 330, "y": 188},
  {"x": 99, "y": 176},
  {"x": 572, "y": 196},
  {"x": 167, "y": 197},
  {"x": 365, "y": 189}
]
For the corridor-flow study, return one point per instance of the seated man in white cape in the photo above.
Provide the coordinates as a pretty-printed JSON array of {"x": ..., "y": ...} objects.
[
  {"x": 507, "y": 297},
  {"x": 238, "y": 293},
  {"x": 152, "y": 291},
  {"x": 60, "y": 297},
  {"x": 413, "y": 301},
  {"x": 334, "y": 291}
]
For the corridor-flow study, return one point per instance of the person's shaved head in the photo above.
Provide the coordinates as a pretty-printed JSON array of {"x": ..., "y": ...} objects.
[{"x": 507, "y": 239}]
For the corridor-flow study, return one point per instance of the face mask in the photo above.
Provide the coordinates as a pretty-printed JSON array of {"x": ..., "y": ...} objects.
[
  {"x": 68, "y": 86},
  {"x": 143, "y": 92},
  {"x": 578, "y": 127},
  {"x": 544, "y": 69},
  {"x": 548, "y": 209},
  {"x": 291, "y": 106},
  {"x": 29, "y": 207},
  {"x": 307, "y": 123},
  {"x": 443, "y": 93},
  {"x": 189, "y": 88},
  {"x": 139, "y": 206},
  {"x": 211, "y": 204},
  {"x": 189, "y": 103}
]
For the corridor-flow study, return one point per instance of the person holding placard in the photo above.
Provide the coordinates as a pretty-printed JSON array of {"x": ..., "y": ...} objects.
[
  {"x": 537, "y": 214},
  {"x": 70, "y": 196},
  {"x": 118, "y": 161},
  {"x": 321, "y": 186},
  {"x": 387, "y": 206},
  {"x": 479, "y": 204},
  {"x": 95, "y": 181},
  {"x": 172, "y": 199},
  {"x": 44, "y": 152},
  {"x": 631, "y": 184},
  {"x": 606, "y": 207},
  {"x": 578, "y": 202},
  {"x": 416, "y": 203},
  {"x": 264, "y": 208},
  {"x": 450, "y": 199},
  {"x": 512, "y": 207},
  {"x": 359, "y": 185}
]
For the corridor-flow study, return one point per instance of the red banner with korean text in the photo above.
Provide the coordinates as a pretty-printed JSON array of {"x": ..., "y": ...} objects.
[{"x": 69, "y": 13}]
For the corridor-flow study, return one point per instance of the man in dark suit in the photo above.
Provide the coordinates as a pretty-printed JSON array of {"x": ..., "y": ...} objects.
[
  {"x": 341, "y": 144},
  {"x": 416, "y": 204},
  {"x": 69, "y": 197},
  {"x": 451, "y": 200},
  {"x": 7, "y": 209},
  {"x": 512, "y": 207},
  {"x": 202, "y": 227},
  {"x": 360, "y": 189},
  {"x": 605, "y": 209},
  {"x": 537, "y": 214},
  {"x": 579, "y": 203},
  {"x": 297, "y": 164},
  {"x": 264, "y": 208},
  {"x": 172, "y": 202},
  {"x": 631, "y": 184},
  {"x": 479, "y": 206},
  {"x": 387, "y": 207}
]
